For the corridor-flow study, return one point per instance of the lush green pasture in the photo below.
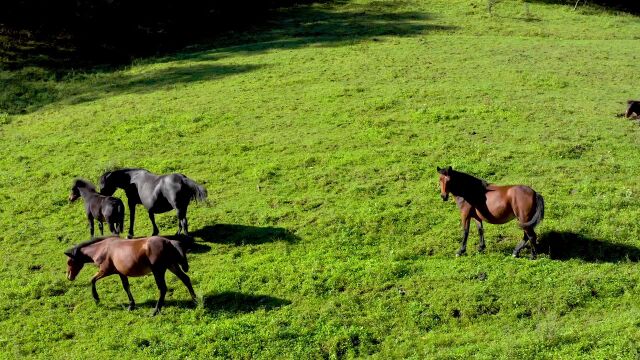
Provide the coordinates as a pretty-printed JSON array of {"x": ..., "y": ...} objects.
[{"x": 317, "y": 137}]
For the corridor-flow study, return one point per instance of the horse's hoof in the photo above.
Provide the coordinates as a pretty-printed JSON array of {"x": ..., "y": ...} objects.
[
  {"x": 155, "y": 312},
  {"x": 460, "y": 253},
  {"x": 131, "y": 307},
  {"x": 515, "y": 255},
  {"x": 481, "y": 250},
  {"x": 130, "y": 236}
]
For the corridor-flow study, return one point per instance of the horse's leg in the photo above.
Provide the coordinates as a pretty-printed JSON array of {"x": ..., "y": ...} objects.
[
  {"x": 185, "y": 280},
  {"x": 521, "y": 245},
  {"x": 481, "y": 245},
  {"x": 158, "y": 274},
  {"x": 99, "y": 275},
  {"x": 125, "y": 285},
  {"x": 101, "y": 227},
  {"x": 132, "y": 218},
  {"x": 465, "y": 233},
  {"x": 532, "y": 241},
  {"x": 182, "y": 221},
  {"x": 91, "y": 225},
  {"x": 112, "y": 227},
  {"x": 152, "y": 217}
]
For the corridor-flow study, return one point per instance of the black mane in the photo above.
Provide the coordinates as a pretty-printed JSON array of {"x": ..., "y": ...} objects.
[
  {"x": 82, "y": 183},
  {"x": 466, "y": 185}
]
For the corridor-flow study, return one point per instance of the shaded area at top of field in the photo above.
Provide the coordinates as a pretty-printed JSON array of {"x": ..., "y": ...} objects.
[
  {"x": 40, "y": 71},
  {"x": 284, "y": 27},
  {"x": 564, "y": 245}
]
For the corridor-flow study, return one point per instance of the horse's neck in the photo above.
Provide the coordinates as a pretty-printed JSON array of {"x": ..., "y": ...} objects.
[{"x": 94, "y": 251}]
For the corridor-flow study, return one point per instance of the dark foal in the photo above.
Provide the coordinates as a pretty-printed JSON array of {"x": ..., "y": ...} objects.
[
  {"x": 157, "y": 193},
  {"x": 99, "y": 207},
  {"x": 136, "y": 257},
  {"x": 481, "y": 201}
]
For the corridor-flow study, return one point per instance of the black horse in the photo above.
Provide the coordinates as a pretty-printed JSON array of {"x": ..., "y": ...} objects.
[
  {"x": 99, "y": 207},
  {"x": 158, "y": 193}
]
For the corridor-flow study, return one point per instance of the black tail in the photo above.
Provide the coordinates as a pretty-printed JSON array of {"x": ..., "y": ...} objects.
[
  {"x": 183, "y": 256},
  {"x": 539, "y": 215},
  {"x": 199, "y": 193}
]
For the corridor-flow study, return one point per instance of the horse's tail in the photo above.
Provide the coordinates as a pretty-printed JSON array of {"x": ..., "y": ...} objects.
[
  {"x": 199, "y": 193},
  {"x": 182, "y": 255},
  {"x": 538, "y": 216}
]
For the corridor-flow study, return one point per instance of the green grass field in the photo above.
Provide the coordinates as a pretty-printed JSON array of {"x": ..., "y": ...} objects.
[{"x": 318, "y": 136}]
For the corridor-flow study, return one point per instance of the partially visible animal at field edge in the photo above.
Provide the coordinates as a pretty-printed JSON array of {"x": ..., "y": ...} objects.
[
  {"x": 157, "y": 193},
  {"x": 481, "y": 201},
  {"x": 99, "y": 207},
  {"x": 633, "y": 110},
  {"x": 135, "y": 257}
]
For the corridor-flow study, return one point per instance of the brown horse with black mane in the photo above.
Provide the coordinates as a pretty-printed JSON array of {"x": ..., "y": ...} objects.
[
  {"x": 135, "y": 257},
  {"x": 481, "y": 201}
]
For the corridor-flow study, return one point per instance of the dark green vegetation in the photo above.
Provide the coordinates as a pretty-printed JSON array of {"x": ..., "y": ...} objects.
[{"x": 325, "y": 236}]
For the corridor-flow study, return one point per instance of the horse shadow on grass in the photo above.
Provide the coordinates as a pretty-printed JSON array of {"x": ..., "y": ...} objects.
[
  {"x": 564, "y": 245},
  {"x": 244, "y": 234},
  {"x": 227, "y": 302}
]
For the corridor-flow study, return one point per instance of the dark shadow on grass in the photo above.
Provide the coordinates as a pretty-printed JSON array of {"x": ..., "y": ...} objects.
[
  {"x": 562, "y": 245},
  {"x": 189, "y": 243},
  {"x": 244, "y": 234},
  {"x": 228, "y": 301},
  {"x": 26, "y": 89},
  {"x": 630, "y": 6}
]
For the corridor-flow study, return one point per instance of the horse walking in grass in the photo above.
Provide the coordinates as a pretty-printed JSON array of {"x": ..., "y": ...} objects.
[
  {"x": 99, "y": 207},
  {"x": 481, "y": 201},
  {"x": 157, "y": 193},
  {"x": 136, "y": 257}
]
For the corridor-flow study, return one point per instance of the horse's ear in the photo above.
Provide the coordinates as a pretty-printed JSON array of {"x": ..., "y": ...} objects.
[
  {"x": 439, "y": 170},
  {"x": 630, "y": 101},
  {"x": 449, "y": 169}
]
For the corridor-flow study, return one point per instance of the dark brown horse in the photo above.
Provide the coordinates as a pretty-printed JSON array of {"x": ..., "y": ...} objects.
[
  {"x": 135, "y": 257},
  {"x": 633, "y": 109},
  {"x": 481, "y": 201},
  {"x": 99, "y": 207}
]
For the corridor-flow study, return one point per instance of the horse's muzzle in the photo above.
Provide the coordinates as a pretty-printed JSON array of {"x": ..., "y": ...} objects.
[
  {"x": 70, "y": 276},
  {"x": 444, "y": 197}
]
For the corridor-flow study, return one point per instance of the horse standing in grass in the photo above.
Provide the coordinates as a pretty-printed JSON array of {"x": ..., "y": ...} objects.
[
  {"x": 99, "y": 207},
  {"x": 157, "y": 193},
  {"x": 481, "y": 201},
  {"x": 136, "y": 257}
]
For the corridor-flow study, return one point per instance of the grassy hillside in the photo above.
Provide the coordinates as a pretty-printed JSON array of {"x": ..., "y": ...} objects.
[{"x": 318, "y": 137}]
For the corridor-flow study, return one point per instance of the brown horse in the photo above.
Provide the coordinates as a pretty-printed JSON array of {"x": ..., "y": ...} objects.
[
  {"x": 481, "y": 201},
  {"x": 135, "y": 257}
]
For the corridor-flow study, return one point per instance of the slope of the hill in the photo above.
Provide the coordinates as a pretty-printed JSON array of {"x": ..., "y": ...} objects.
[{"x": 324, "y": 235}]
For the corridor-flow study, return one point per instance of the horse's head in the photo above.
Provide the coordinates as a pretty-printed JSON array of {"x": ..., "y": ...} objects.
[
  {"x": 74, "y": 263},
  {"x": 75, "y": 192},
  {"x": 107, "y": 184},
  {"x": 445, "y": 177}
]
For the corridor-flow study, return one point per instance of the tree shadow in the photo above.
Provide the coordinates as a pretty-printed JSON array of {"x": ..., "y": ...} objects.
[
  {"x": 228, "y": 302},
  {"x": 244, "y": 234},
  {"x": 563, "y": 245},
  {"x": 630, "y": 6},
  {"x": 27, "y": 89}
]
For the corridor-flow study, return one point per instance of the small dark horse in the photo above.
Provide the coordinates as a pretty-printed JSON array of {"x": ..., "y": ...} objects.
[
  {"x": 99, "y": 207},
  {"x": 158, "y": 194},
  {"x": 494, "y": 204},
  {"x": 633, "y": 109},
  {"x": 136, "y": 257}
]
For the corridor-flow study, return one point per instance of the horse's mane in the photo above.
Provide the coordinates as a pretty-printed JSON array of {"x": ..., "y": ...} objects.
[
  {"x": 466, "y": 183},
  {"x": 73, "y": 252},
  {"x": 116, "y": 171},
  {"x": 82, "y": 183}
]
